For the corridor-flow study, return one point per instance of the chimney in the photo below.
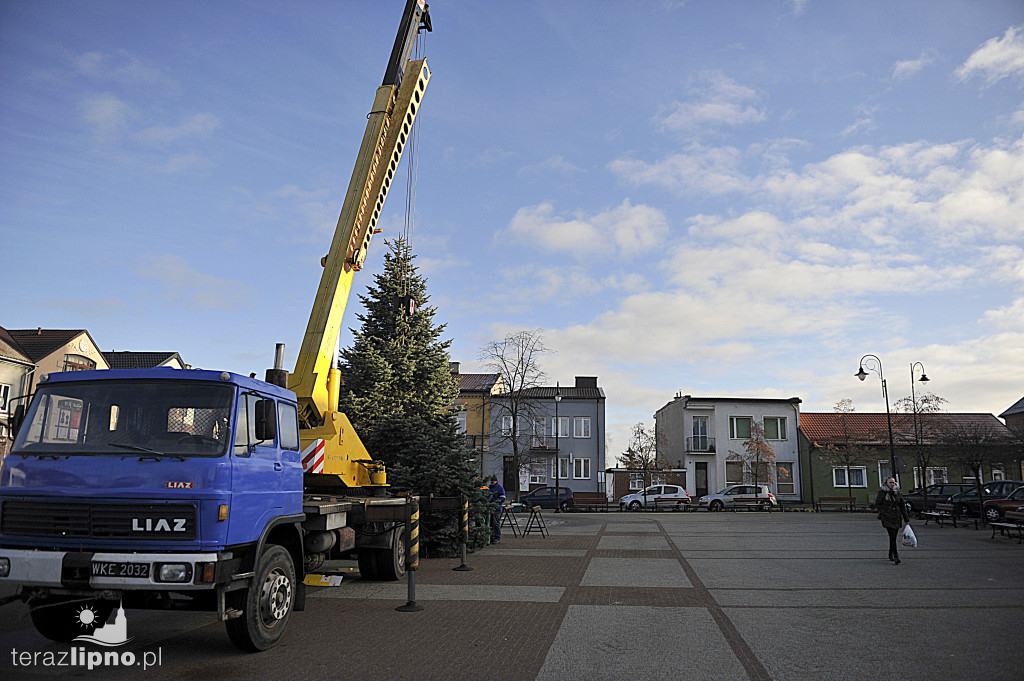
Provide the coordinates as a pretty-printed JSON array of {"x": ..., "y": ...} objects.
[
  {"x": 586, "y": 381},
  {"x": 453, "y": 367},
  {"x": 39, "y": 331}
]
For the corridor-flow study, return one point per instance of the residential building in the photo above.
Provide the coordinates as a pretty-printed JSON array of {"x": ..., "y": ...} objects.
[
  {"x": 474, "y": 406},
  {"x": 867, "y": 434},
  {"x": 55, "y": 350},
  {"x": 559, "y": 439},
  {"x": 15, "y": 373},
  {"x": 1014, "y": 419},
  {"x": 125, "y": 359},
  {"x": 705, "y": 436}
]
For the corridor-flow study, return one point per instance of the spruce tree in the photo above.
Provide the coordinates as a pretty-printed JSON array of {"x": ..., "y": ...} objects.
[{"x": 398, "y": 392}]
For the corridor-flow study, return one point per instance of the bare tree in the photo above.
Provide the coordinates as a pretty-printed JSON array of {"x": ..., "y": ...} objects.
[
  {"x": 516, "y": 358},
  {"x": 758, "y": 457},
  {"x": 643, "y": 454},
  {"x": 846, "y": 452},
  {"x": 973, "y": 444},
  {"x": 912, "y": 428}
]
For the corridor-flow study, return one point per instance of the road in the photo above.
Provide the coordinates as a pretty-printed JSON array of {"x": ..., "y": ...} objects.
[{"x": 624, "y": 596}]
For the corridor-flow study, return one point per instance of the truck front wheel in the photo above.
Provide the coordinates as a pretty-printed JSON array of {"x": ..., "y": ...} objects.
[
  {"x": 266, "y": 605},
  {"x": 64, "y": 619}
]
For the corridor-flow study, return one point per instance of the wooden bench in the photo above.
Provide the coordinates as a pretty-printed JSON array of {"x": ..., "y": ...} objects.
[
  {"x": 848, "y": 503},
  {"x": 1013, "y": 521},
  {"x": 944, "y": 512},
  {"x": 590, "y": 501}
]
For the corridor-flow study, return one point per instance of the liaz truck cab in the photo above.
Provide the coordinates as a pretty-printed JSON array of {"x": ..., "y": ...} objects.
[{"x": 159, "y": 488}]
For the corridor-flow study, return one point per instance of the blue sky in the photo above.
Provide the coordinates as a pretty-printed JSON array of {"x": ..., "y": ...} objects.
[{"x": 714, "y": 197}]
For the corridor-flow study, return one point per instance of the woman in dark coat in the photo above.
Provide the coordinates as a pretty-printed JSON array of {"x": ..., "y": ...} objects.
[{"x": 892, "y": 511}]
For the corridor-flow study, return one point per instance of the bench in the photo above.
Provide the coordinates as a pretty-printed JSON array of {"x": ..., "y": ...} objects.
[
  {"x": 590, "y": 501},
  {"x": 848, "y": 503},
  {"x": 942, "y": 513},
  {"x": 1013, "y": 521}
]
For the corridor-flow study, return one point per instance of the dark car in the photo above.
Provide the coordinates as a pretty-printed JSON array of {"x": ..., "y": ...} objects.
[
  {"x": 545, "y": 498},
  {"x": 938, "y": 493},
  {"x": 995, "y": 508},
  {"x": 966, "y": 503}
]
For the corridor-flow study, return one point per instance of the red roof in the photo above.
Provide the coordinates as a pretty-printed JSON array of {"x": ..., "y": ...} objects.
[
  {"x": 477, "y": 382},
  {"x": 828, "y": 428}
]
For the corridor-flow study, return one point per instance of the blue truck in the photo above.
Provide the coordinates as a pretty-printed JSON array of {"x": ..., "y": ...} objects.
[{"x": 206, "y": 490}]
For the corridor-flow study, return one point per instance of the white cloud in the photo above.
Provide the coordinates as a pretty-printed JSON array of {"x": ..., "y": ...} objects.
[
  {"x": 722, "y": 102},
  {"x": 120, "y": 67},
  {"x": 198, "y": 126},
  {"x": 904, "y": 70},
  {"x": 625, "y": 230},
  {"x": 108, "y": 115},
  {"x": 181, "y": 283},
  {"x": 556, "y": 164},
  {"x": 997, "y": 58},
  {"x": 700, "y": 168}
]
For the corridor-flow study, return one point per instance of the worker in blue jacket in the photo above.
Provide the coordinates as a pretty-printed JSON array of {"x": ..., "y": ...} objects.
[{"x": 498, "y": 499}]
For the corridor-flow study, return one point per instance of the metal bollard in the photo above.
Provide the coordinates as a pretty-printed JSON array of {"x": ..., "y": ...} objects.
[
  {"x": 465, "y": 534},
  {"x": 412, "y": 555}
]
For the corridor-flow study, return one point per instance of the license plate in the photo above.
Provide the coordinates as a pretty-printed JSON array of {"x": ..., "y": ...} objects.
[{"x": 105, "y": 569}]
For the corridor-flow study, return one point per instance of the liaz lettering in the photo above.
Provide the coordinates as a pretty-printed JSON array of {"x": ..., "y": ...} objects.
[{"x": 158, "y": 525}]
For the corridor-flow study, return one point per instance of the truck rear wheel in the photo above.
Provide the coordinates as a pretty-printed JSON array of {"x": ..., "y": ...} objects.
[
  {"x": 63, "y": 619},
  {"x": 386, "y": 565},
  {"x": 266, "y": 605}
]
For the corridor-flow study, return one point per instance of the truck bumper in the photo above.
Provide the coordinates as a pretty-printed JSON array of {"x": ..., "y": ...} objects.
[{"x": 102, "y": 570}]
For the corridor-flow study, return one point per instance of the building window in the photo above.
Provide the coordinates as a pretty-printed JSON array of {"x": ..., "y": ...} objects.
[
  {"x": 581, "y": 426},
  {"x": 739, "y": 427},
  {"x": 775, "y": 427},
  {"x": 858, "y": 476},
  {"x": 538, "y": 473},
  {"x": 700, "y": 434},
  {"x": 636, "y": 481},
  {"x": 506, "y": 426},
  {"x": 78, "y": 363},
  {"x": 563, "y": 469},
  {"x": 561, "y": 428},
  {"x": 784, "y": 483},
  {"x": 5, "y": 394},
  {"x": 998, "y": 473},
  {"x": 461, "y": 417},
  {"x": 935, "y": 476},
  {"x": 733, "y": 472},
  {"x": 581, "y": 469}
]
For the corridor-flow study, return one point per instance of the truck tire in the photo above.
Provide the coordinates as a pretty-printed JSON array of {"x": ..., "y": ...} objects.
[
  {"x": 63, "y": 619},
  {"x": 266, "y": 605},
  {"x": 386, "y": 565}
]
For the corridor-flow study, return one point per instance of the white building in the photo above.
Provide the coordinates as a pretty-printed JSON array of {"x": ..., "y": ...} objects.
[{"x": 705, "y": 436}]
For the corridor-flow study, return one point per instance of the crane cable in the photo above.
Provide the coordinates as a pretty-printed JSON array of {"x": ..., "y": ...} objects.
[{"x": 412, "y": 174}]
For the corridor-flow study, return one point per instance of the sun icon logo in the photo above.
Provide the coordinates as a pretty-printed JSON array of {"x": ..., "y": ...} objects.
[{"x": 87, "y": 617}]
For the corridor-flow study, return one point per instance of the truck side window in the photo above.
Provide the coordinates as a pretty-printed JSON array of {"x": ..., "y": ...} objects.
[
  {"x": 288, "y": 426},
  {"x": 242, "y": 439}
]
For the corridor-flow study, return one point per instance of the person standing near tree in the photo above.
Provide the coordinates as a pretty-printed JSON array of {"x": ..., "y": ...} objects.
[
  {"x": 498, "y": 499},
  {"x": 892, "y": 511}
]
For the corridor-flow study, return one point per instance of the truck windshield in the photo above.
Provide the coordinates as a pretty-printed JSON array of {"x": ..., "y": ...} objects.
[{"x": 135, "y": 418}]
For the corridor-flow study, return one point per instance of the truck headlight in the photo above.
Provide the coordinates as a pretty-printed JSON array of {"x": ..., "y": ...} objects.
[
  {"x": 5, "y": 567},
  {"x": 174, "y": 572}
]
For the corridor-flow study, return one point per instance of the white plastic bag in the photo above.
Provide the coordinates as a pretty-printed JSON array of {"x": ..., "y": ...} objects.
[{"x": 909, "y": 538}]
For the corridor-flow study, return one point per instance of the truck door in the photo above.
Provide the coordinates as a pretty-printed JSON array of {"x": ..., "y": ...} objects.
[{"x": 257, "y": 472}]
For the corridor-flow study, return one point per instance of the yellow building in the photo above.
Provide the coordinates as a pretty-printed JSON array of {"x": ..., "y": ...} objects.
[{"x": 474, "y": 406}]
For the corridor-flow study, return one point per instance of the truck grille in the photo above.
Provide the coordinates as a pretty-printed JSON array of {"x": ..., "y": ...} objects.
[{"x": 85, "y": 520}]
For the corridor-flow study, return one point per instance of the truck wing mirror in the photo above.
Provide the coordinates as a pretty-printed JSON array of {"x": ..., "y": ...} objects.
[
  {"x": 15, "y": 421},
  {"x": 266, "y": 420}
]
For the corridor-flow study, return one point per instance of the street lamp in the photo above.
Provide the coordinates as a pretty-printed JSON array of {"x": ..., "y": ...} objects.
[
  {"x": 913, "y": 405},
  {"x": 558, "y": 464},
  {"x": 875, "y": 364}
]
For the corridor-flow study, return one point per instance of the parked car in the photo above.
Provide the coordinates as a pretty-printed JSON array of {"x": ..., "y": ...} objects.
[
  {"x": 995, "y": 508},
  {"x": 656, "y": 496},
  {"x": 739, "y": 496},
  {"x": 966, "y": 503},
  {"x": 545, "y": 498},
  {"x": 938, "y": 493}
]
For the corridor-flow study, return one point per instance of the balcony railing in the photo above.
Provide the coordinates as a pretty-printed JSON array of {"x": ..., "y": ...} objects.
[{"x": 700, "y": 443}]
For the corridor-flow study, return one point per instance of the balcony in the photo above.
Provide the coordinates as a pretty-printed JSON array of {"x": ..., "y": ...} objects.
[
  {"x": 700, "y": 444},
  {"x": 542, "y": 442}
]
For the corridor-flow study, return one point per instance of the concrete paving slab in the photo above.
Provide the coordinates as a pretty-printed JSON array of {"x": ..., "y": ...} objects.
[
  {"x": 616, "y": 642},
  {"x": 843, "y": 598},
  {"x": 649, "y": 572},
  {"x": 633, "y": 543},
  {"x": 536, "y": 553},
  {"x": 444, "y": 592}
]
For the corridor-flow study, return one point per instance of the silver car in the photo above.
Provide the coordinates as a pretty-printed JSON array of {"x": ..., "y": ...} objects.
[
  {"x": 739, "y": 496},
  {"x": 657, "y": 496}
]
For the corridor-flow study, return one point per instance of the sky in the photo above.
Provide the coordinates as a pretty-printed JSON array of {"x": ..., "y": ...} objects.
[{"x": 709, "y": 197}]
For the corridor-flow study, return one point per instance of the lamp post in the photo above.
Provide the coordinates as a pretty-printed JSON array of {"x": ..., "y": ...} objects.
[
  {"x": 913, "y": 405},
  {"x": 875, "y": 364},
  {"x": 558, "y": 464}
]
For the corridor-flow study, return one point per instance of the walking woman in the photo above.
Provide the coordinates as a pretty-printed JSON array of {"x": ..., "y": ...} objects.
[{"x": 892, "y": 511}]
